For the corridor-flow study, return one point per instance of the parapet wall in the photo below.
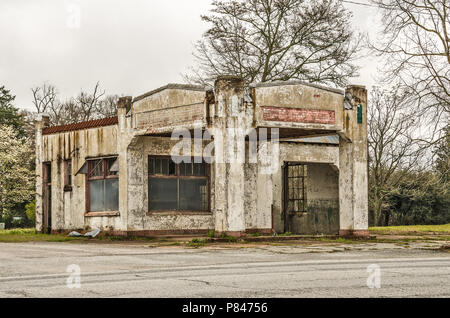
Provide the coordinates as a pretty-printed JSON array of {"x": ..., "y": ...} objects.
[{"x": 169, "y": 107}]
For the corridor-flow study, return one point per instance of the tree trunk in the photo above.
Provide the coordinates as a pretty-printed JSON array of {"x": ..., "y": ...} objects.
[{"x": 377, "y": 217}]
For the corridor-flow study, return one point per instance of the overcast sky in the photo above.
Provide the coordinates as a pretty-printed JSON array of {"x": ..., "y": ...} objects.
[{"x": 129, "y": 46}]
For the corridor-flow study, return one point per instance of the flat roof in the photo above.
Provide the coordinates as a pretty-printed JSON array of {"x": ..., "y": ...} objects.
[
  {"x": 189, "y": 87},
  {"x": 298, "y": 82},
  {"x": 200, "y": 88}
]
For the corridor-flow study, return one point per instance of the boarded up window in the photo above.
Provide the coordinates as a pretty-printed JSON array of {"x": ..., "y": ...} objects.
[
  {"x": 177, "y": 187},
  {"x": 103, "y": 185}
]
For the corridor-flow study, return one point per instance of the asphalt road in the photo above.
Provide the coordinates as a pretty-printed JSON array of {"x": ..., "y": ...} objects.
[{"x": 124, "y": 270}]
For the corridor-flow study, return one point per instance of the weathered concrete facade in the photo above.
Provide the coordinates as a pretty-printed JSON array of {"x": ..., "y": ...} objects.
[{"x": 239, "y": 181}]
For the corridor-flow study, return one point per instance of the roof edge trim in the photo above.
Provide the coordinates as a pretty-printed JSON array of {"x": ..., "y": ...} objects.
[
  {"x": 189, "y": 87},
  {"x": 298, "y": 82},
  {"x": 103, "y": 122}
]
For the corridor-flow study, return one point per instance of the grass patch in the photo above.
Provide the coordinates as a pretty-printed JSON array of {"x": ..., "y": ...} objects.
[
  {"x": 18, "y": 232},
  {"x": 30, "y": 235},
  {"x": 412, "y": 229},
  {"x": 337, "y": 240},
  {"x": 197, "y": 242},
  {"x": 228, "y": 238}
]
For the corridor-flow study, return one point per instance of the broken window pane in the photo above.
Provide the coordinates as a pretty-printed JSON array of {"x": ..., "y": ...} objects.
[
  {"x": 109, "y": 164},
  {"x": 96, "y": 168}
]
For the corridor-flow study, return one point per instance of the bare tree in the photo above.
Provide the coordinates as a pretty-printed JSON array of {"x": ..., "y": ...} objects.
[
  {"x": 108, "y": 106},
  {"x": 85, "y": 106},
  {"x": 394, "y": 149},
  {"x": 270, "y": 40},
  {"x": 442, "y": 155},
  {"x": 45, "y": 100},
  {"x": 416, "y": 45},
  {"x": 44, "y": 97}
]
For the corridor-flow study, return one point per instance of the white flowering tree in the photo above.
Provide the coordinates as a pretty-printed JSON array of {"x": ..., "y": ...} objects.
[{"x": 16, "y": 178}]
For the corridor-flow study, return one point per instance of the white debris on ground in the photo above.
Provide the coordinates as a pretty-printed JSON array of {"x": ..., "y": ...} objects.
[{"x": 92, "y": 234}]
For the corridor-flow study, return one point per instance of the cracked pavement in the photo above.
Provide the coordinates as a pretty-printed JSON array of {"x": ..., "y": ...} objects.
[{"x": 416, "y": 269}]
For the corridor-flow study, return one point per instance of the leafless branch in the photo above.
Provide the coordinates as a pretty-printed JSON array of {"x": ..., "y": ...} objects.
[{"x": 270, "y": 40}]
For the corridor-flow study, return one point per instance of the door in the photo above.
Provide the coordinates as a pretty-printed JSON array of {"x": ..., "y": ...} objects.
[
  {"x": 47, "y": 198},
  {"x": 294, "y": 190}
]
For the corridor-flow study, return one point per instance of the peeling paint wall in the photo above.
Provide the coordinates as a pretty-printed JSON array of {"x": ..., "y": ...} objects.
[
  {"x": 294, "y": 104},
  {"x": 242, "y": 197},
  {"x": 232, "y": 118},
  {"x": 139, "y": 218},
  {"x": 69, "y": 207},
  {"x": 258, "y": 198},
  {"x": 167, "y": 108},
  {"x": 353, "y": 178},
  {"x": 322, "y": 187},
  {"x": 41, "y": 122}
]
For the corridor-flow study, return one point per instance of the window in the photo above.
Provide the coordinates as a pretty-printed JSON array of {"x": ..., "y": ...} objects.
[
  {"x": 67, "y": 175},
  {"x": 177, "y": 187},
  {"x": 296, "y": 188},
  {"x": 103, "y": 185}
]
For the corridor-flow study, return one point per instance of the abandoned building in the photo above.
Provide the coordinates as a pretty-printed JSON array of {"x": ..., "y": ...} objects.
[{"x": 120, "y": 174}]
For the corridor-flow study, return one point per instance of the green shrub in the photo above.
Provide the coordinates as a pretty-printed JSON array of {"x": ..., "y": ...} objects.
[{"x": 30, "y": 210}]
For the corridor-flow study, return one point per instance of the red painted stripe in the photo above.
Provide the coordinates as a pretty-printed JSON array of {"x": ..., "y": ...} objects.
[{"x": 295, "y": 115}]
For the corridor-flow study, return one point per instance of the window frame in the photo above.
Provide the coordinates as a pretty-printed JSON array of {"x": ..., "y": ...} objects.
[
  {"x": 179, "y": 177},
  {"x": 302, "y": 179},
  {"x": 104, "y": 176}
]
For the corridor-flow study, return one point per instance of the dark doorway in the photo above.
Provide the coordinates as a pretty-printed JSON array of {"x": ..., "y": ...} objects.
[
  {"x": 47, "y": 198},
  {"x": 294, "y": 191}
]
